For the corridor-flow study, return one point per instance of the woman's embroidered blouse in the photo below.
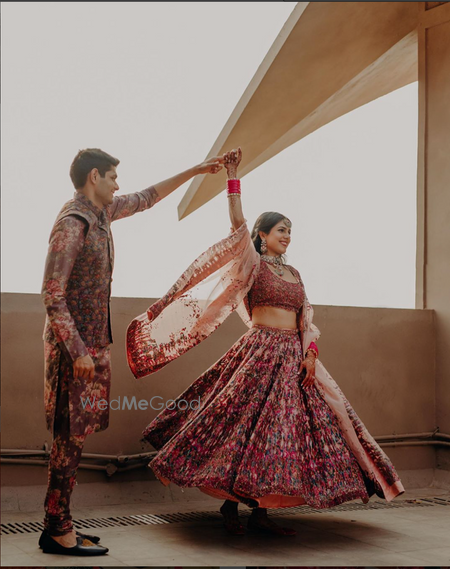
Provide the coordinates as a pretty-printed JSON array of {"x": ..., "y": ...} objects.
[{"x": 271, "y": 290}]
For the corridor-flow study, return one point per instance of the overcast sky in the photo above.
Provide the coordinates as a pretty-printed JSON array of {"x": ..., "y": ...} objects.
[{"x": 153, "y": 84}]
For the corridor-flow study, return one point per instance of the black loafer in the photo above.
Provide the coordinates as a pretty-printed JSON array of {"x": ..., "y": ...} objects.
[
  {"x": 93, "y": 538},
  {"x": 83, "y": 548}
]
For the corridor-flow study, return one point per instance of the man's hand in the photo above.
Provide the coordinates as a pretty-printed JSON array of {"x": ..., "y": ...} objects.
[
  {"x": 83, "y": 368},
  {"x": 211, "y": 165}
]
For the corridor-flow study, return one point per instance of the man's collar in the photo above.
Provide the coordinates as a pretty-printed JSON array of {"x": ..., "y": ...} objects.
[{"x": 87, "y": 202}]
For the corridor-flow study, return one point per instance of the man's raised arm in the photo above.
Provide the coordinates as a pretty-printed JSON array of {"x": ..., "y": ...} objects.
[{"x": 129, "y": 204}]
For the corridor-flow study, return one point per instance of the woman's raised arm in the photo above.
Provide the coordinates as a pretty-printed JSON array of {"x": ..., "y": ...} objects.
[{"x": 232, "y": 160}]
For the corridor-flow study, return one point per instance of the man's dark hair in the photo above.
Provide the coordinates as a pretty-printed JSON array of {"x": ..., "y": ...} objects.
[{"x": 88, "y": 159}]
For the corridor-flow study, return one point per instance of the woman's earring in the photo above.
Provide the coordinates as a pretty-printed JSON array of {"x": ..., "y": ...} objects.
[{"x": 263, "y": 246}]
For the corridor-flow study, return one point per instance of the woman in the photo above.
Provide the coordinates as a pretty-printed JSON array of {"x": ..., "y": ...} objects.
[{"x": 272, "y": 429}]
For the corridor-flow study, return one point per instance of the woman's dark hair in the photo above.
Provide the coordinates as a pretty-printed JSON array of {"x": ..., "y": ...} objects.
[
  {"x": 88, "y": 159},
  {"x": 264, "y": 223}
]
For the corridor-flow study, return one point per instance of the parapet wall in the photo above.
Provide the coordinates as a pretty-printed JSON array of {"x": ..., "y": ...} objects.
[{"x": 381, "y": 358}]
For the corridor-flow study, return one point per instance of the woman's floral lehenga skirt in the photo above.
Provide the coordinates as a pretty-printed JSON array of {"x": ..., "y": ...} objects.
[{"x": 258, "y": 436}]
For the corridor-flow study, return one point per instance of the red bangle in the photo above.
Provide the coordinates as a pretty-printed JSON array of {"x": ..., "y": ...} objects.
[
  {"x": 233, "y": 186},
  {"x": 313, "y": 348}
]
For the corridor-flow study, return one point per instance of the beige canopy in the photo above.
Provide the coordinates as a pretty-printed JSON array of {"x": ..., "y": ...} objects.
[{"x": 328, "y": 59}]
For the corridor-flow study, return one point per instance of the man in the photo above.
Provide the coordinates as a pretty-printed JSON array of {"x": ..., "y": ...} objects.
[{"x": 76, "y": 293}]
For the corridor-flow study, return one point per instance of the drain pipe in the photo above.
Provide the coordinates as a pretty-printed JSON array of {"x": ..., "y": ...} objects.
[
  {"x": 43, "y": 463},
  {"x": 407, "y": 436},
  {"x": 416, "y": 444},
  {"x": 46, "y": 453},
  {"x": 109, "y": 468},
  {"x": 432, "y": 435},
  {"x": 11, "y": 456}
]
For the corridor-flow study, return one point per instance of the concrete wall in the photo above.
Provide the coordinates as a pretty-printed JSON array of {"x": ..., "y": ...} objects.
[
  {"x": 376, "y": 355},
  {"x": 434, "y": 194}
]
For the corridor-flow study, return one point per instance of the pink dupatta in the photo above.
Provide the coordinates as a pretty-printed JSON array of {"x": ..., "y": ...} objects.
[{"x": 208, "y": 291}]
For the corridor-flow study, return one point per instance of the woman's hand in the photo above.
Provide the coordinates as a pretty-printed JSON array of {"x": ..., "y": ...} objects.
[
  {"x": 211, "y": 165},
  {"x": 232, "y": 160},
  {"x": 309, "y": 364}
]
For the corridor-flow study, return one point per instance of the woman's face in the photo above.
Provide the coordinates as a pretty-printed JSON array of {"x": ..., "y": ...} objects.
[{"x": 279, "y": 238}]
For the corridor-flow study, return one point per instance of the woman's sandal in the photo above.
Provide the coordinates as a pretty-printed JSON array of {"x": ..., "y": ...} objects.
[
  {"x": 269, "y": 526},
  {"x": 231, "y": 523}
]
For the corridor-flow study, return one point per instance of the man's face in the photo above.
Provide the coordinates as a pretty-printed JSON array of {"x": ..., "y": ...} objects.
[{"x": 105, "y": 187}]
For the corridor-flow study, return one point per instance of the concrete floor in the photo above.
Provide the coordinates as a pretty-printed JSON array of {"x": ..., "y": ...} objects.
[{"x": 414, "y": 536}]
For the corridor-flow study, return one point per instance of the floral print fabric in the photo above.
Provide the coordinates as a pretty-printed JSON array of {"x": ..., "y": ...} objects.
[
  {"x": 257, "y": 434},
  {"x": 77, "y": 278},
  {"x": 86, "y": 416},
  {"x": 76, "y": 292},
  {"x": 66, "y": 243},
  {"x": 184, "y": 317},
  {"x": 64, "y": 460}
]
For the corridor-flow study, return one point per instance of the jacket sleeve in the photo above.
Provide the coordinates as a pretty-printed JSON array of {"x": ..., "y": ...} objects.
[
  {"x": 129, "y": 204},
  {"x": 66, "y": 242}
]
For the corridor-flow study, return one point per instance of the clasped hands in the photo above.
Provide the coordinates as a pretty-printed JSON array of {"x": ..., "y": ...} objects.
[{"x": 214, "y": 164}]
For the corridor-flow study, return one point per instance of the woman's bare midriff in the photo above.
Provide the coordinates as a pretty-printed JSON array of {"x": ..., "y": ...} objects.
[{"x": 274, "y": 317}]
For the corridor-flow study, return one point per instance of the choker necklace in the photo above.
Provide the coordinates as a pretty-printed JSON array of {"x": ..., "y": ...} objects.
[{"x": 277, "y": 262}]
